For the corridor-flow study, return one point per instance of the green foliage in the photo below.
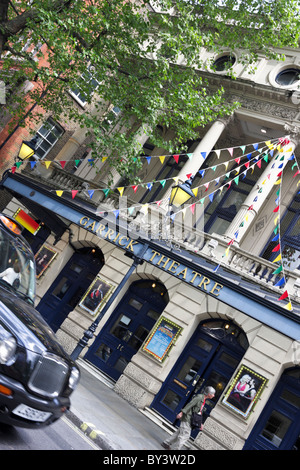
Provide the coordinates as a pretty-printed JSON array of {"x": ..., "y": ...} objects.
[{"x": 146, "y": 62}]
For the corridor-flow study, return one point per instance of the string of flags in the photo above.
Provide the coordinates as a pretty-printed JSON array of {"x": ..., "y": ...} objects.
[
  {"x": 262, "y": 151},
  {"x": 149, "y": 185},
  {"x": 279, "y": 271}
]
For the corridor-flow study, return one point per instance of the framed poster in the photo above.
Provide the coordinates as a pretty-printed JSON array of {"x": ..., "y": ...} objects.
[
  {"x": 244, "y": 391},
  {"x": 162, "y": 338},
  {"x": 96, "y": 295},
  {"x": 43, "y": 258}
]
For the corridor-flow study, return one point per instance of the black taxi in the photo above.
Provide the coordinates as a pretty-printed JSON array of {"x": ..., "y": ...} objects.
[{"x": 37, "y": 377}]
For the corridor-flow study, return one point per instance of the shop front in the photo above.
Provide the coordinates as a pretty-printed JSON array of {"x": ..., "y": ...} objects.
[{"x": 174, "y": 327}]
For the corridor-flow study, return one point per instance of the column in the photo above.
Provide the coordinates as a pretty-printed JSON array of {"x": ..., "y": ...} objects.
[
  {"x": 206, "y": 145},
  {"x": 263, "y": 187}
]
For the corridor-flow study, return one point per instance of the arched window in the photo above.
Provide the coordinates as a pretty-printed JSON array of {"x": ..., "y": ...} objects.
[
  {"x": 288, "y": 77},
  {"x": 223, "y": 63}
]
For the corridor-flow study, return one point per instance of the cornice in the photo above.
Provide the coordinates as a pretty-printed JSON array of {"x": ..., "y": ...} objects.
[{"x": 263, "y": 99}]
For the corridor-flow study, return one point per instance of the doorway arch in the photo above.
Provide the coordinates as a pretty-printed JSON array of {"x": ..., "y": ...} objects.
[
  {"x": 210, "y": 358},
  {"x": 128, "y": 326},
  {"x": 278, "y": 427},
  {"x": 70, "y": 285}
]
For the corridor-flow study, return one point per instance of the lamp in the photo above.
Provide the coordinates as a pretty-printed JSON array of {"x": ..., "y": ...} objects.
[
  {"x": 181, "y": 193},
  {"x": 27, "y": 149}
]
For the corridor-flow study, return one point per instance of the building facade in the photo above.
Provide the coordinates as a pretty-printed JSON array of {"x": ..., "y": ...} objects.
[{"x": 208, "y": 294}]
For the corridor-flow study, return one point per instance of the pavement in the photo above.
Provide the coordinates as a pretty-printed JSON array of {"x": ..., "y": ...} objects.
[{"x": 109, "y": 420}]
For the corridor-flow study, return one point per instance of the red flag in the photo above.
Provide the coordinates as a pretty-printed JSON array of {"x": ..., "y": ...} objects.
[
  {"x": 176, "y": 157},
  {"x": 284, "y": 295},
  {"x": 277, "y": 248}
]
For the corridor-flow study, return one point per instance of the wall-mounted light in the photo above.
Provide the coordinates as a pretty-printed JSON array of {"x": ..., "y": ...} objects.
[
  {"x": 27, "y": 149},
  {"x": 181, "y": 193}
]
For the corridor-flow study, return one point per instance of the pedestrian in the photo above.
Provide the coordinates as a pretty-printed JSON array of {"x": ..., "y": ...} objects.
[{"x": 182, "y": 434}]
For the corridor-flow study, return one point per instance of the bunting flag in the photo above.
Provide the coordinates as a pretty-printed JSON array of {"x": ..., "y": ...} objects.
[{"x": 284, "y": 295}]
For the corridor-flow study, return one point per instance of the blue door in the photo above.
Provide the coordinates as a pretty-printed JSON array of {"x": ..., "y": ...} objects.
[
  {"x": 278, "y": 427},
  {"x": 210, "y": 358},
  {"x": 128, "y": 327},
  {"x": 70, "y": 285}
]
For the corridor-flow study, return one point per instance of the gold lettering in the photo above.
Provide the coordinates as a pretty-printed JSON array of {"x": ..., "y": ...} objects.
[
  {"x": 121, "y": 238},
  {"x": 204, "y": 281},
  {"x": 91, "y": 226},
  {"x": 165, "y": 263},
  {"x": 196, "y": 274},
  {"x": 184, "y": 271},
  {"x": 81, "y": 220},
  {"x": 130, "y": 245},
  {"x": 100, "y": 228},
  {"x": 155, "y": 253},
  {"x": 116, "y": 237},
  {"x": 174, "y": 265},
  {"x": 109, "y": 233},
  {"x": 216, "y": 287}
]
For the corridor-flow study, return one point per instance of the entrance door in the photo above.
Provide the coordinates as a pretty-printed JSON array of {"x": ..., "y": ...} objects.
[
  {"x": 70, "y": 285},
  {"x": 128, "y": 327},
  {"x": 210, "y": 358},
  {"x": 278, "y": 427}
]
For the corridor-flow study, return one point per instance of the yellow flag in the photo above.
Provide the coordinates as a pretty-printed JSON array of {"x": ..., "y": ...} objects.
[
  {"x": 289, "y": 306},
  {"x": 162, "y": 159},
  {"x": 47, "y": 164},
  {"x": 269, "y": 145},
  {"x": 195, "y": 191},
  {"x": 121, "y": 189},
  {"x": 59, "y": 193},
  {"x": 277, "y": 259}
]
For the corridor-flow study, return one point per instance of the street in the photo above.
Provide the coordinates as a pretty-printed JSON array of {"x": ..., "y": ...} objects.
[{"x": 62, "y": 435}]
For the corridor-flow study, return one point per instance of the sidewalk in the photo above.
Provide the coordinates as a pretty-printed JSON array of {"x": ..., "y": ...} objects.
[{"x": 108, "y": 419}]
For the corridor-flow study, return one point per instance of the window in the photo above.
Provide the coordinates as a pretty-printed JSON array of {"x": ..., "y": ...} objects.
[
  {"x": 47, "y": 136},
  {"x": 223, "y": 63},
  {"x": 290, "y": 238},
  {"x": 87, "y": 86},
  {"x": 288, "y": 77}
]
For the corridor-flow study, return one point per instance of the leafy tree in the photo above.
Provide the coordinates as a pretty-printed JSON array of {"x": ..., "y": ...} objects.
[{"x": 146, "y": 61}]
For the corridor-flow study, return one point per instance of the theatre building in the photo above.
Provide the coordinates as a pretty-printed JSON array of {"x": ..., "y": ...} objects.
[{"x": 165, "y": 298}]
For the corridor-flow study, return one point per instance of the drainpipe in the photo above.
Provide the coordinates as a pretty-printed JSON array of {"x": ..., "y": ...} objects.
[{"x": 89, "y": 333}]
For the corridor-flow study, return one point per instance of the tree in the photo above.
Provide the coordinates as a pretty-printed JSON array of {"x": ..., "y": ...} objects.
[{"x": 144, "y": 60}]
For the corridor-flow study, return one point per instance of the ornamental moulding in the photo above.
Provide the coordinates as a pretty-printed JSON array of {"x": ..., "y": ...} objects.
[{"x": 266, "y": 108}]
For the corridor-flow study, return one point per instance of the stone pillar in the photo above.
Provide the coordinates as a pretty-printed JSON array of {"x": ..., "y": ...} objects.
[
  {"x": 259, "y": 193},
  {"x": 72, "y": 145},
  {"x": 206, "y": 145},
  {"x": 193, "y": 165}
]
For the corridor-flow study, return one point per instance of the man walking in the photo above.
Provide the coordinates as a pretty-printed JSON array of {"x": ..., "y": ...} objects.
[{"x": 182, "y": 434}]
